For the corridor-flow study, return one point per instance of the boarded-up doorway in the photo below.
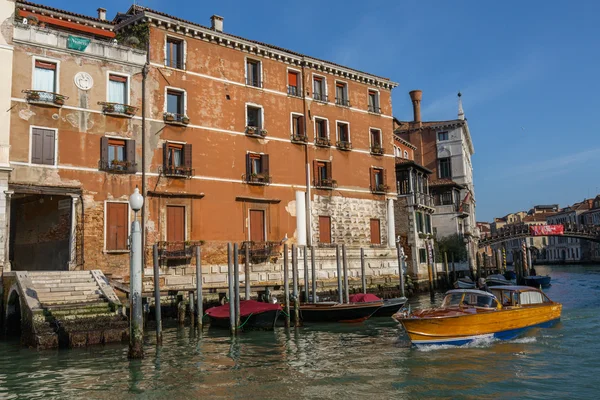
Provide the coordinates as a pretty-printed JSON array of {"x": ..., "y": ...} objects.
[
  {"x": 175, "y": 224},
  {"x": 375, "y": 231},
  {"x": 324, "y": 229},
  {"x": 257, "y": 226}
]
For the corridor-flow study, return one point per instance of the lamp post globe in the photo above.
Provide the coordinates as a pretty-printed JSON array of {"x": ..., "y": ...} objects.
[{"x": 136, "y": 200}]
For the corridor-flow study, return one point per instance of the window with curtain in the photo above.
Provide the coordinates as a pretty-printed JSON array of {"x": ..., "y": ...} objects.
[
  {"x": 116, "y": 150},
  {"x": 44, "y": 76},
  {"x": 175, "y": 154},
  {"x": 374, "y": 101},
  {"x": 117, "y": 89}
]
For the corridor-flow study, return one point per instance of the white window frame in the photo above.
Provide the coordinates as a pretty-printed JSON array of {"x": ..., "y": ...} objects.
[
  {"x": 262, "y": 114},
  {"x": 128, "y": 85},
  {"x": 56, "y": 73},
  {"x": 313, "y": 87},
  {"x": 315, "y": 126},
  {"x": 380, "y": 136},
  {"x": 337, "y": 134},
  {"x": 300, "y": 82},
  {"x": 347, "y": 87},
  {"x": 176, "y": 89},
  {"x": 292, "y": 115},
  {"x": 55, "y": 165},
  {"x": 369, "y": 89},
  {"x": 260, "y": 68},
  {"x": 106, "y": 222},
  {"x": 264, "y": 220},
  {"x": 406, "y": 154},
  {"x": 184, "y": 42},
  {"x": 185, "y": 217}
]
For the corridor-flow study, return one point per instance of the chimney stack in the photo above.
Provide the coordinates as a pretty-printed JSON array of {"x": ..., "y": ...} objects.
[
  {"x": 102, "y": 14},
  {"x": 216, "y": 23},
  {"x": 415, "y": 96}
]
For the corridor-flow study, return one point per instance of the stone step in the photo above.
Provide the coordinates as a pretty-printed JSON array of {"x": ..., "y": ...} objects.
[
  {"x": 69, "y": 286},
  {"x": 69, "y": 300},
  {"x": 57, "y": 273},
  {"x": 50, "y": 281},
  {"x": 68, "y": 297},
  {"x": 53, "y": 303}
]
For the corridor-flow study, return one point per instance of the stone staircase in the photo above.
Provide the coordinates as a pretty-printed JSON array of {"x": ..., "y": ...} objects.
[{"x": 69, "y": 309}]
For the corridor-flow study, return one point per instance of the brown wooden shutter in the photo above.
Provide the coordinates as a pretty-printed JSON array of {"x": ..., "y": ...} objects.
[
  {"x": 187, "y": 155},
  {"x": 302, "y": 128},
  {"x": 292, "y": 78},
  {"x": 116, "y": 226},
  {"x": 375, "y": 231},
  {"x": 165, "y": 155},
  {"x": 372, "y": 178},
  {"x": 117, "y": 78},
  {"x": 316, "y": 177},
  {"x": 37, "y": 142},
  {"x": 324, "y": 229},
  {"x": 264, "y": 163},
  {"x": 384, "y": 176},
  {"x": 257, "y": 225},
  {"x": 104, "y": 151},
  {"x": 45, "y": 65},
  {"x": 328, "y": 170},
  {"x": 248, "y": 165},
  {"x": 130, "y": 154},
  {"x": 48, "y": 148},
  {"x": 175, "y": 223}
]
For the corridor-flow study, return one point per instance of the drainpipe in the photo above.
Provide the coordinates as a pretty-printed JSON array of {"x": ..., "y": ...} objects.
[
  {"x": 82, "y": 232},
  {"x": 307, "y": 163}
]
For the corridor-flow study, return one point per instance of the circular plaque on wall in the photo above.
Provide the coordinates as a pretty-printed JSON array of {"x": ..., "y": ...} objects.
[{"x": 84, "y": 81}]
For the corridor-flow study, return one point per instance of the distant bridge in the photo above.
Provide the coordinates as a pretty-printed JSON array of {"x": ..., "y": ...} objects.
[{"x": 586, "y": 232}]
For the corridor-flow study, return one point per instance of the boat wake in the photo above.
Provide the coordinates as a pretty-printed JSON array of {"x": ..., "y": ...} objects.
[{"x": 478, "y": 343}]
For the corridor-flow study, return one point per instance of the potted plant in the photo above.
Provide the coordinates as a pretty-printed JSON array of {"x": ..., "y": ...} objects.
[
  {"x": 381, "y": 187},
  {"x": 169, "y": 117},
  {"x": 130, "y": 110},
  {"x": 109, "y": 108},
  {"x": 185, "y": 119},
  {"x": 59, "y": 100},
  {"x": 33, "y": 95},
  {"x": 251, "y": 130},
  {"x": 263, "y": 132}
]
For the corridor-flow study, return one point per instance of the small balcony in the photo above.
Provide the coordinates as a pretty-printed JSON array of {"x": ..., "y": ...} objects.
[
  {"x": 326, "y": 184},
  {"x": 176, "y": 119},
  {"x": 344, "y": 145},
  {"x": 177, "y": 250},
  {"x": 322, "y": 142},
  {"x": 255, "y": 131},
  {"x": 257, "y": 179},
  {"x": 176, "y": 172},
  {"x": 118, "y": 110},
  {"x": 464, "y": 210},
  {"x": 259, "y": 252},
  {"x": 320, "y": 97},
  {"x": 380, "y": 189},
  {"x": 374, "y": 109},
  {"x": 421, "y": 200},
  {"x": 342, "y": 102},
  {"x": 302, "y": 139},
  {"x": 377, "y": 150},
  {"x": 118, "y": 167},
  {"x": 42, "y": 98},
  {"x": 294, "y": 91}
]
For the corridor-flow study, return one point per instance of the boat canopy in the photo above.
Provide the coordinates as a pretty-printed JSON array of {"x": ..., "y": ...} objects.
[{"x": 470, "y": 297}]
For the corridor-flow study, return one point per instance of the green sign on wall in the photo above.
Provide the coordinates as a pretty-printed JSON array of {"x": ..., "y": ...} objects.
[{"x": 77, "y": 43}]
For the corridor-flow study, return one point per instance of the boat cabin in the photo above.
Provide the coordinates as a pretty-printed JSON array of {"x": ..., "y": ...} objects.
[
  {"x": 470, "y": 298},
  {"x": 516, "y": 296}
]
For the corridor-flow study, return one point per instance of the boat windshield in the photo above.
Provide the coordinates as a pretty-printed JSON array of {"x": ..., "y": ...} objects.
[
  {"x": 452, "y": 300},
  {"x": 479, "y": 300},
  {"x": 532, "y": 297}
]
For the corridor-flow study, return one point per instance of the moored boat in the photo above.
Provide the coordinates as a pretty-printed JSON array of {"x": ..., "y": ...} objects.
[
  {"x": 389, "y": 307},
  {"x": 498, "y": 280},
  {"x": 254, "y": 315},
  {"x": 337, "y": 312},
  {"x": 464, "y": 283},
  {"x": 538, "y": 281},
  {"x": 468, "y": 314}
]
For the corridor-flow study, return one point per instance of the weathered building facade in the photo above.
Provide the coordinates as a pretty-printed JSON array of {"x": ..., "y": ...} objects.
[{"x": 566, "y": 249}]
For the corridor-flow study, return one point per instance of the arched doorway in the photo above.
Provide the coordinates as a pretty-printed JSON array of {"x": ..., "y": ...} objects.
[{"x": 13, "y": 314}]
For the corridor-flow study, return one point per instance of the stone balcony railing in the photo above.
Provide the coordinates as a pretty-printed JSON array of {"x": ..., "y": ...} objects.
[
  {"x": 421, "y": 199},
  {"x": 47, "y": 37}
]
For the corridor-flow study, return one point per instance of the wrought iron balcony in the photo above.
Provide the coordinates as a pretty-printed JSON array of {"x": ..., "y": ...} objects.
[
  {"x": 176, "y": 172},
  {"x": 320, "y": 97},
  {"x": 322, "y": 141},
  {"x": 342, "y": 102},
  {"x": 176, "y": 119},
  {"x": 464, "y": 210},
  {"x": 380, "y": 189},
  {"x": 296, "y": 138},
  {"x": 117, "y": 109},
  {"x": 344, "y": 145},
  {"x": 257, "y": 179},
  {"x": 377, "y": 150},
  {"x": 259, "y": 252},
  {"x": 328, "y": 184},
  {"x": 118, "y": 167},
  {"x": 177, "y": 250},
  {"x": 256, "y": 131},
  {"x": 294, "y": 91},
  {"x": 374, "y": 109},
  {"x": 43, "y": 98}
]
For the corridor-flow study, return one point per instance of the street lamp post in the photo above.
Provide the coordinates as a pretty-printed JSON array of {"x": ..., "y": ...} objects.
[{"x": 136, "y": 332}]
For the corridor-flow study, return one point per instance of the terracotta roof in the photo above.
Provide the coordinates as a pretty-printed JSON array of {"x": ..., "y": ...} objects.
[
  {"x": 59, "y": 11},
  {"x": 403, "y": 163},
  {"x": 406, "y": 126},
  {"x": 405, "y": 142},
  {"x": 137, "y": 8},
  {"x": 537, "y": 217}
]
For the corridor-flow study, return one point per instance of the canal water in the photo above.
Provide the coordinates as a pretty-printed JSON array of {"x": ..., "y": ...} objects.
[{"x": 371, "y": 360}]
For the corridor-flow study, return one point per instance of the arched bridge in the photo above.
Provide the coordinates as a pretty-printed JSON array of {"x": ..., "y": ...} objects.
[{"x": 586, "y": 232}]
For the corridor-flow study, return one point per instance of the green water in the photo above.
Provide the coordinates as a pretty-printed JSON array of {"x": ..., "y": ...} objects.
[{"x": 371, "y": 361}]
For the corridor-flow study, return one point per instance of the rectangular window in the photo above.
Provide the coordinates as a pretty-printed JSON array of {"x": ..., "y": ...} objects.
[
  {"x": 324, "y": 229},
  {"x": 378, "y": 180},
  {"x": 44, "y": 76},
  {"x": 341, "y": 94},
  {"x": 174, "y": 53},
  {"x": 117, "y": 89},
  {"x": 343, "y": 132},
  {"x": 117, "y": 155},
  {"x": 445, "y": 168},
  {"x": 257, "y": 168},
  {"x": 376, "y": 140},
  {"x": 254, "y": 117},
  {"x": 422, "y": 256},
  {"x": 419, "y": 221},
  {"x": 293, "y": 83},
  {"x": 298, "y": 127},
  {"x": 253, "y": 73},
  {"x": 174, "y": 155},
  {"x": 321, "y": 127},
  {"x": 427, "y": 223},
  {"x": 116, "y": 151},
  {"x": 322, "y": 174},
  {"x": 42, "y": 146},
  {"x": 442, "y": 136},
  {"x": 374, "y": 101},
  {"x": 319, "y": 89},
  {"x": 375, "y": 231},
  {"x": 175, "y": 102},
  {"x": 117, "y": 222}
]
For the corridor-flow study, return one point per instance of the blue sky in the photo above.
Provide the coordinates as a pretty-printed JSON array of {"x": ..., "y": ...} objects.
[{"x": 528, "y": 71}]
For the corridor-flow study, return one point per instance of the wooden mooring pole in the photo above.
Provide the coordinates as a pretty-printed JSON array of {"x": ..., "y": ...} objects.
[
  {"x": 362, "y": 271},
  {"x": 306, "y": 282},
  {"x": 313, "y": 273},
  {"x": 345, "y": 264},
  {"x": 247, "y": 271},
  {"x": 199, "y": 299},
  {"x": 453, "y": 268},
  {"x": 339, "y": 273},
  {"x": 236, "y": 285},
  {"x": 232, "y": 318},
  {"x": 400, "y": 254},
  {"x": 295, "y": 279},
  {"x": 448, "y": 284},
  {"x": 157, "y": 309},
  {"x": 286, "y": 285}
]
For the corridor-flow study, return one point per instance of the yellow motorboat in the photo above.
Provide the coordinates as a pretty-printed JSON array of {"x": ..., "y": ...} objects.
[{"x": 468, "y": 314}]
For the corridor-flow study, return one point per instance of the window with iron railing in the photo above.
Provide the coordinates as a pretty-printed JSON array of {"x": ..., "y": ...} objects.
[
  {"x": 341, "y": 94},
  {"x": 174, "y": 53},
  {"x": 253, "y": 73},
  {"x": 293, "y": 88},
  {"x": 319, "y": 89}
]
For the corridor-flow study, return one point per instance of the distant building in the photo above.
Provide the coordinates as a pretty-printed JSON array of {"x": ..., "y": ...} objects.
[
  {"x": 566, "y": 249},
  {"x": 591, "y": 250}
]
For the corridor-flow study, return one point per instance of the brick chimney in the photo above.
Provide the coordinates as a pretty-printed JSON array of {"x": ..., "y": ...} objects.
[
  {"x": 102, "y": 14},
  {"x": 415, "y": 96},
  {"x": 216, "y": 23}
]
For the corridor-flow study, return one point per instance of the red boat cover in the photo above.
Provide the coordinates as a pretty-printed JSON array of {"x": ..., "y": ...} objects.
[
  {"x": 542, "y": 230},
  {"x": 363, "y": 298},
  {"x": 247, "y": 307}
]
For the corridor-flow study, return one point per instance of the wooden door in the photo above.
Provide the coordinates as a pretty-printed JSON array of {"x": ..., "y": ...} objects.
[
  {"x": 257, "y": 226},
  {"x": 375, "y": 232},
  {"x": 175, "y": 224},
  {"x": 324, "y": 229}
]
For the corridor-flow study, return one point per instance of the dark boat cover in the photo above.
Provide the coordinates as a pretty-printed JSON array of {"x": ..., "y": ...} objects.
[
  {"x": 247, "y": 307},
  {"x": 363, "y": 298}
]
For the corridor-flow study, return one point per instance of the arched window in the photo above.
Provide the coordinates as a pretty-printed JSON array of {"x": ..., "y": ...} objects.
[{"x": 405, "y": 154}]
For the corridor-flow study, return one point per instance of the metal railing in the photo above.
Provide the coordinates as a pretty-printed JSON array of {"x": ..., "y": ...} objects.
[
  {"x": 294, "y": 91},
  {"x": 118, "y": 109},
  {"x": 117, "y": 167},
  {"x": 257, "y": 179},
  {"x": 256, "y": 131},
  {"x": 342, "y": 102},
  {"x": 322, "y": 141},
  {"x": 320, "y": 97},
  {"x": 299, "y": 138},
  {"x": 176, "y": 119},
  {"x": 374, "y": 109},
  {"x": 176, "y": 250},
  {"x": 377, "y": 150},
  {"x": 421, "y": 199},
  {"x": 259, "y": 252},
  {"x": 255, "y": 82},
  {"x": 381, "y": 188},
  {"x": 43, "y": 97},
  {"x": 171, "y": 63},
  {"x": 176, "y": 172},
  {"x": 325, "y": 183}
]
